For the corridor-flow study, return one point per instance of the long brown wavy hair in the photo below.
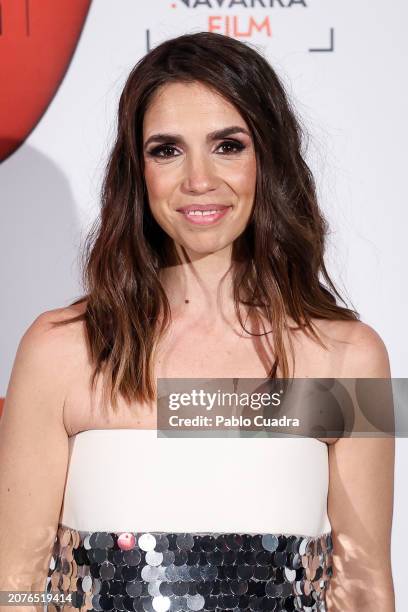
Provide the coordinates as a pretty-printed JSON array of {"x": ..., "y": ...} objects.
[{"x": 278, "y": 267}]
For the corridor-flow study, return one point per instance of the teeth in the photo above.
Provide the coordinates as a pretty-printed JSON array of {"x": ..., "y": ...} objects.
[{"x": 202, "y": 213}]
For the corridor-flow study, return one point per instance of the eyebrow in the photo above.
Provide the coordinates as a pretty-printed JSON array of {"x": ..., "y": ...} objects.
[{"x": 211, "y": 137}]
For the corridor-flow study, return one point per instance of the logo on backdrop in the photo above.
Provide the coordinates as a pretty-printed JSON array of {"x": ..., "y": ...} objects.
[{"x": 38, "y": 39}]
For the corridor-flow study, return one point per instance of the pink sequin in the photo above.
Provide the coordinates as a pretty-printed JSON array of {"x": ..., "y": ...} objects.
[{"x": 126, "y": 541}]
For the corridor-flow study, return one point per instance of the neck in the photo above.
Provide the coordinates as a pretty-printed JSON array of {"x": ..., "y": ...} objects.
[{"x": 202, "y": 285}]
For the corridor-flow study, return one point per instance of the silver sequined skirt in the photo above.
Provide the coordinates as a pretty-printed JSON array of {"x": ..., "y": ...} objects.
[{"x": 163, "y": 571}]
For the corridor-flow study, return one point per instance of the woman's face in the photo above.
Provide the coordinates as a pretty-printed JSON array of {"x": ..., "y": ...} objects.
[{"x": 198, "y": 151}]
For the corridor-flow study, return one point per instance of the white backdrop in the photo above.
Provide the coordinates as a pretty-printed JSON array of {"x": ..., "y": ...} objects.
[{"x": 353, "y": 100}]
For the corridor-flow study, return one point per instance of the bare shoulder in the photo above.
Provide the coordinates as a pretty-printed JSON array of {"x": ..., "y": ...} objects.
[
  {"x": 41, "y": 370},
  {"x": 48, "y": 330},
  {"x": 52, "y": 346},
  {"x": 361, "y": 351}
]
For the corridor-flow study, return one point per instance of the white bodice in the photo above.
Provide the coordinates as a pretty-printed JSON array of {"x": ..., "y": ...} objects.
[{"x": 133, "y": 480}]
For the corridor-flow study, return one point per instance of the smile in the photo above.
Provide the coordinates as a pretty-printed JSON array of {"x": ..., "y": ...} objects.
[{"x": 204, "y": 217}]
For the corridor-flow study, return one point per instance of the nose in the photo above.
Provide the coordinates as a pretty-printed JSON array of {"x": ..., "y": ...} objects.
[{"x": 200, "y": 175}]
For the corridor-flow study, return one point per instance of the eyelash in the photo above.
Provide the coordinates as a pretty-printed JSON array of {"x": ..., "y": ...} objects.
[{"x": 156, "y": 150}]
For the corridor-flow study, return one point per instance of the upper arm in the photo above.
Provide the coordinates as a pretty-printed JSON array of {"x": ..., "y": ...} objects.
[
  {"x": 33, "y": 457},
  {"x": 360, "y": 501}
]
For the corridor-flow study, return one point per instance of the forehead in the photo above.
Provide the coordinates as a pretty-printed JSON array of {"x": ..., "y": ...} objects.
[{"x": 188, "y": 105}]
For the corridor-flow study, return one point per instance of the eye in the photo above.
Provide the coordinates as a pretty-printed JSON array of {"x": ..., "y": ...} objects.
[
  {"x": 161, "y": 150},
  {"x": 156, "y": 151},
  {"x": 237, "y": 146}
]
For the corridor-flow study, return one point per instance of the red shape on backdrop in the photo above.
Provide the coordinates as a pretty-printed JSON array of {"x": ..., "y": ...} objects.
[
  {"x": 1, "y": 405},
  {"x": 37, "y": 41}
]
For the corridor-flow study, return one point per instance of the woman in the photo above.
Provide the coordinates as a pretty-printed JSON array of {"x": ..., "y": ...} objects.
[{"x": 205, "y": 262}]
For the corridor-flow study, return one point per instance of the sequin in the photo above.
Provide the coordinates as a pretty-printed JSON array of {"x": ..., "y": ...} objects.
[
  {"x": 126, "y": 541},
  {"x": 171, "y": 572}
]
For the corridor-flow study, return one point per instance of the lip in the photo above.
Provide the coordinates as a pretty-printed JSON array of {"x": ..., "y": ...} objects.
[
  {"x": 208, "y": 219},
  {"x": 202, "y": 207}
]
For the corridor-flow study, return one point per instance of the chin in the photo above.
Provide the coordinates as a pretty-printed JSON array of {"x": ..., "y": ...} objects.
[{"x": 205, "y": 249}]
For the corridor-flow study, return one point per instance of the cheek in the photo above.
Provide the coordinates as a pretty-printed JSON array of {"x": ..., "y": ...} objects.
[
  {"x": 159, "y": 189},
  {"x": 243, "y": 180},
  {"x": 154, "y": 183}
]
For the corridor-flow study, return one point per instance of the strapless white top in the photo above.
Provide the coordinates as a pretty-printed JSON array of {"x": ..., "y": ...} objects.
[{"x": 133, "y": 480}]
